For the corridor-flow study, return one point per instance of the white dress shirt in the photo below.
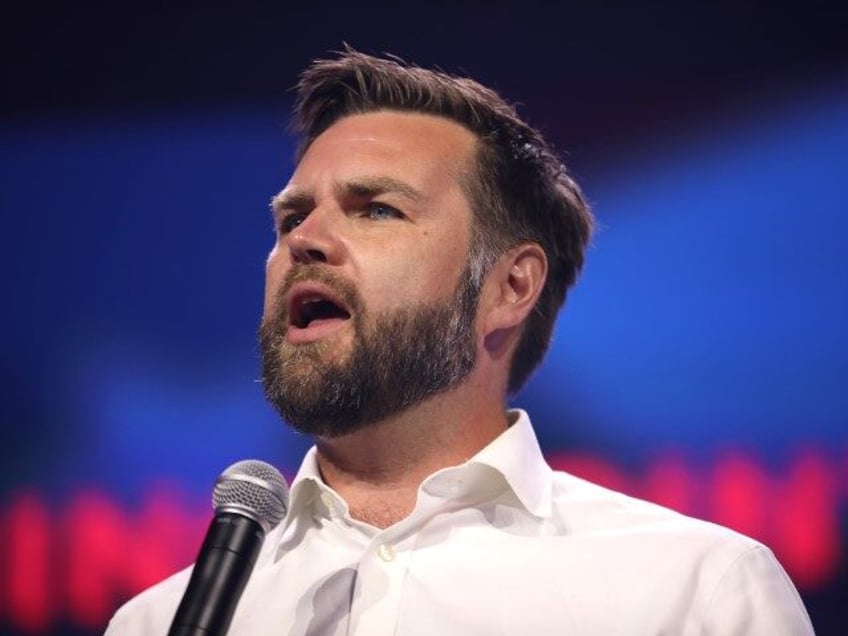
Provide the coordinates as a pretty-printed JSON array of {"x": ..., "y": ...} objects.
[{"x": 499, "y": 545}]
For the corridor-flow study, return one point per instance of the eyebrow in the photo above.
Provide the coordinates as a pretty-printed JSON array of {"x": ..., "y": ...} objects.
[
  {"x": 375, "y": 186},
  {"x": 362, "y": 187},
  {"x": 291, "y": 199}
]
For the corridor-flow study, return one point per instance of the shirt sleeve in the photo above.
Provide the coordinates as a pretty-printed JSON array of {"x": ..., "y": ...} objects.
[{"x": 755, "y": 597}]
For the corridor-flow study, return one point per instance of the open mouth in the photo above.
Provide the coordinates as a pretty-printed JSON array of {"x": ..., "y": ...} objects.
[{"x": 310, "y": 307}]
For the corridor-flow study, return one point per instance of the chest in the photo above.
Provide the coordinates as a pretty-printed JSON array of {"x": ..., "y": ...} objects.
[{"x": 455, "y": 576}]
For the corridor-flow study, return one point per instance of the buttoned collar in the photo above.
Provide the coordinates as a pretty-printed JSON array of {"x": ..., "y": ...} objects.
[{"x": 513, "y": 457}]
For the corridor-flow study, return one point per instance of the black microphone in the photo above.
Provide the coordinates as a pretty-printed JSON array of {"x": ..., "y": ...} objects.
[{"x": 250, "y": 498}]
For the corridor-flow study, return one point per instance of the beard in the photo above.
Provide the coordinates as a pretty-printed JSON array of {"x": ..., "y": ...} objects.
[{"x": 397, "y": 359}]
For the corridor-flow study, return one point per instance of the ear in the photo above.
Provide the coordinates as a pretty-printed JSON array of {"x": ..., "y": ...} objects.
[{"x": 512, "y": 288}]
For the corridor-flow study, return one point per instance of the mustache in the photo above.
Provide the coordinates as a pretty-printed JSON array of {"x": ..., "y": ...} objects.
[{"x": 342, "y": 287}]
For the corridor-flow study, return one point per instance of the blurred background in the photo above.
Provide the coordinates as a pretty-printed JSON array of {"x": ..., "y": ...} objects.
[{"x": 701, "y": 362}]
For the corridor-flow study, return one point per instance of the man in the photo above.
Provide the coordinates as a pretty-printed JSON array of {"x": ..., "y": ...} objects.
[{"x": 425, "y": 243}]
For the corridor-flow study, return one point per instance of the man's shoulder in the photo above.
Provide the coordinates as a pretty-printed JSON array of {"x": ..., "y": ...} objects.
[
  {"x": 151, "y": 611},
  {"x": 586, "y": 508},
  {"x": 635, "y": 549}
]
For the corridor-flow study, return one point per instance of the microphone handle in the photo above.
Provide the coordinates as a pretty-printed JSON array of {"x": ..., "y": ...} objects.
[{"x": 223, "y": 567}]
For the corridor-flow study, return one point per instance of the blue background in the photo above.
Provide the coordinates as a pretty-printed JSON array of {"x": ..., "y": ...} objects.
[{"x": 710, "y": 317}]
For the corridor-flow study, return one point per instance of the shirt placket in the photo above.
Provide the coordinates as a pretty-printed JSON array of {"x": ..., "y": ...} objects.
[{"x": 377, "y": 599}]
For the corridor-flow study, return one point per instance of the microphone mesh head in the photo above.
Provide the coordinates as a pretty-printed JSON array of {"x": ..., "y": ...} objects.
[{"x": 254, "y": 489}]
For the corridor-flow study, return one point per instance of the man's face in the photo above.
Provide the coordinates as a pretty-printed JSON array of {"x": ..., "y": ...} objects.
[{"x": 369, "y": 307}]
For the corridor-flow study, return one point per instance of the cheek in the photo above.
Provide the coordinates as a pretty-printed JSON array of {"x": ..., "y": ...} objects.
[
  {"x": 421, "y": 274},
  {"x": 447, "y": 261},
  {"x": 273, "y": 278}
]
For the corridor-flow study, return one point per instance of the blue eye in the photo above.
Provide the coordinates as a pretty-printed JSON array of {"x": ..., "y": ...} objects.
[{"x": 382, "y": 211}]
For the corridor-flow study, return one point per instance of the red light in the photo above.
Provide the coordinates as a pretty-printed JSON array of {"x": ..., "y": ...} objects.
[
  {"x": 796, "y": 515},
  {"x": 79, "y": 564},
  {"x": 807, "y": 536},
  {"x": 669, "y": 482},
  {"x": 27, "y": 556},
  {"x": 113, "y": 555},
  {"x": 741, "y": 495},
  {"x": 99, "y": 553}
]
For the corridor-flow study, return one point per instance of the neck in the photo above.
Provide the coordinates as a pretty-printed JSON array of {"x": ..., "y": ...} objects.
[{"x": 378, "y": 469}]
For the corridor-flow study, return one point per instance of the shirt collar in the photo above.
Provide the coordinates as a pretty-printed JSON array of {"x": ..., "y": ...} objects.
[
  {"x": 306, "y": 486},
  {"x": 514, "y": 455}
]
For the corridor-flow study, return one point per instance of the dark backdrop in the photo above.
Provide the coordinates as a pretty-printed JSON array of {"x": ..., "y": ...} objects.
[{"x": 701, "y": 362}]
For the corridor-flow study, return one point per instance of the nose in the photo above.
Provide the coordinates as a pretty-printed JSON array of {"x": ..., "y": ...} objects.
[{"x": 315, "y": 239}]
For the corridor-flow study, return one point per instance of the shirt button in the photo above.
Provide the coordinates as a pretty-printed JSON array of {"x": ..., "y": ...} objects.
[{"x": 385, "y": 552}]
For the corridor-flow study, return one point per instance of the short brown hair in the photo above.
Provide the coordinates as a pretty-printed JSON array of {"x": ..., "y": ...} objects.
[{"x": 521, "y": 191}]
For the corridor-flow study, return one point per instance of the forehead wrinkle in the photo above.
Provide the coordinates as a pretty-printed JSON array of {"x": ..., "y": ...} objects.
[{"x": 367, "y": 187}]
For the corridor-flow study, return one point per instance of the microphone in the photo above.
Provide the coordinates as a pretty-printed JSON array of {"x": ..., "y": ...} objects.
[{"x": 250, "y": 498}]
